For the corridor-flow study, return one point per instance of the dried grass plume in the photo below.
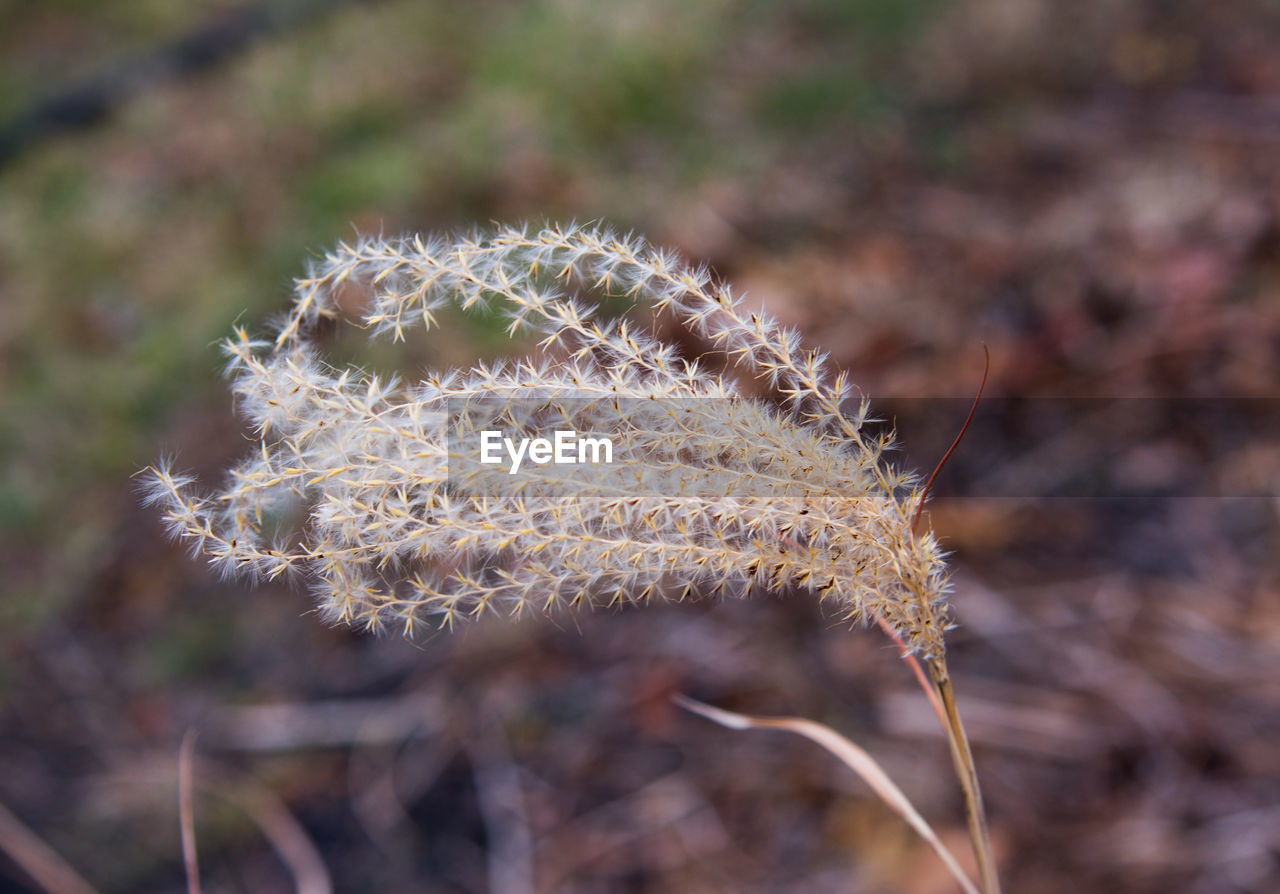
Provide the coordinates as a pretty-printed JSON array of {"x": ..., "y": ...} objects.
[{"x": 719, "y": 492}]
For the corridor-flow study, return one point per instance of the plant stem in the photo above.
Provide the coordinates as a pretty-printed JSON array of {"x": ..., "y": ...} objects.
[
  {"x": 929, "y": 690},
  {"x": 962, "y": 757}
]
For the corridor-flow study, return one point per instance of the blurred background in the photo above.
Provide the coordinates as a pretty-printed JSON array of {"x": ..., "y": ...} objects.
[{"x": 1091, "y": 189}]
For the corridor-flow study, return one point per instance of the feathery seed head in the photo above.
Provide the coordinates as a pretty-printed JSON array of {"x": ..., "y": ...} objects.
[{"x": 706, "y": 491}]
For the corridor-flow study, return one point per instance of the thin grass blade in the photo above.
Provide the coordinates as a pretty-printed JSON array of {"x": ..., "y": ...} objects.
[{"x": 853, "y": 757}]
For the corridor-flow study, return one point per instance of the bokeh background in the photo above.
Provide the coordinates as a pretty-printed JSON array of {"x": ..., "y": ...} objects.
[{"x": 1092, "y": 189}]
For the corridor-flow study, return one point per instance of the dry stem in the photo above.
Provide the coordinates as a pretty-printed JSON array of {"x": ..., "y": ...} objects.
[
  {"x": 186, "y": 812},
  {"x": 42, "y": 863},
  {"x": 966, "y": 772}
]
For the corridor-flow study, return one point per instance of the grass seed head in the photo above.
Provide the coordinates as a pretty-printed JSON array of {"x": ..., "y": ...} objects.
[{"x": 718, "y": 493}]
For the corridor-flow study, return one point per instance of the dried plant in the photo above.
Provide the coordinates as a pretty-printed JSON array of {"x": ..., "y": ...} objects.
[{"x": 716, "y": 493}]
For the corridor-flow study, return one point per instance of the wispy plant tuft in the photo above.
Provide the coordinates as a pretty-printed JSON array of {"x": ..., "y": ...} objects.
[
  {"x": 726, "y": 496},
  {"x": 713, "y": 492}
]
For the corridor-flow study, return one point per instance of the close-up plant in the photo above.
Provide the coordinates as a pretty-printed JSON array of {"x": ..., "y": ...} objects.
[
  {"x": 367, "y": 526},
  {"x": 717, "y": 492}
]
